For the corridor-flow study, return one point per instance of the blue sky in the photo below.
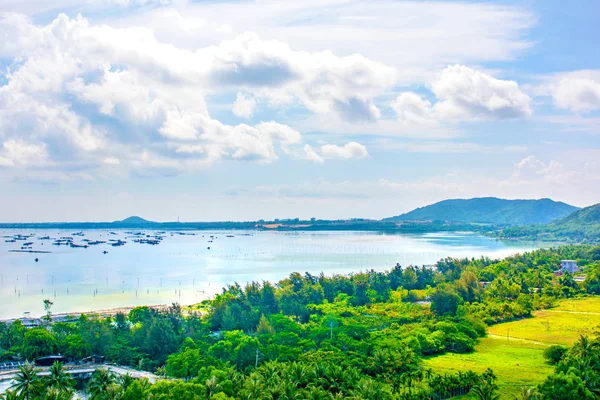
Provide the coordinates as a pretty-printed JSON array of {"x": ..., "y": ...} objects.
[{"x": 212, "y": 110}]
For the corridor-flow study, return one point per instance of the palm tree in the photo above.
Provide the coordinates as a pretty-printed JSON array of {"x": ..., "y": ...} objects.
[
  {"x": 253, "y": 388},
  {"x": 528, "y": 394},
  {"x": 59, "y": 379},
  {"x": 583, "y": 348},
  {"x": 113, "y": 392},
  {"x": 53, "y": 393},
  {"x": 100, "y": 383},
  {"x": 485, "y": 391},
  {"x": 212, "y": 386},
  {"x": 125, "y": 380},
  {"x": 27, "y": 383},
  {"x": 10, "y": 395}
]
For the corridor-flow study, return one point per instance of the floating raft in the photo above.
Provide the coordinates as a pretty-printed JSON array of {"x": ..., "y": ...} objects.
[{"x": 30, "y": 251}]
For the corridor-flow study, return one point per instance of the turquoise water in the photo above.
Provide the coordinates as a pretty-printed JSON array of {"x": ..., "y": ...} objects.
[{"x": 182, "y": 269}]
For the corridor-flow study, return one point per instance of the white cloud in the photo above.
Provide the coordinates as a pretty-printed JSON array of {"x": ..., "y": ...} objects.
[
  {"x": 347, "y": 151},
  {"x": 405, "y": 34},
  {"x": 244, "y": 106},
  {"x": 411, "y": 108},
  {"x": 464, "y": 94},
  {"x": 532, "y": 169},
  {"x": 580, "y": 94},
  {"x": 351, "y": 150},
  {"x": 93, "y": 92},
  {"x": 311, "y": 155},
  {"x": 577, "y": 91},
  {"x": 154, "y": 99},
  {"x": 19, "y": 153},
  {"x": 322, "y": 82}
]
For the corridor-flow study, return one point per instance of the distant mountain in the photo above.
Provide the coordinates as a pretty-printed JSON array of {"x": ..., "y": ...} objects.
[
  {"x": 133, "y": 220},
  {"x": 580, "y": 226},
  {"x": 490, "y": 210}
]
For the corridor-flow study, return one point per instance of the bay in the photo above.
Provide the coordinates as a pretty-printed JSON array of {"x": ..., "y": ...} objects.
[{"x": 187, "y": 267}]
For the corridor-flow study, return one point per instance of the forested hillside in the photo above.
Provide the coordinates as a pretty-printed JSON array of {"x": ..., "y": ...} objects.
[
  {"x": 580, "y": 227},
  {"x": 315, "y": 337},
  {"x": 490, "y": 210}
]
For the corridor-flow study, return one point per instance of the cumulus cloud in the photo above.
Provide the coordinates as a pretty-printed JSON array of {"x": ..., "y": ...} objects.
[
  {"x": 578, "y": 91},
  {"x": 92, "y": 95},
  {"x": 351, "y": 150},
  {"x": 464, "y": 94},
  {"x": 322, "y": 82},
  {"x": 347, "y": 151},
  {"x": 243, "y": 106},
  {"x": 311, "y": 155},
  {"x": 531, "y": 169},
  {"x": 411, "y": 108}
]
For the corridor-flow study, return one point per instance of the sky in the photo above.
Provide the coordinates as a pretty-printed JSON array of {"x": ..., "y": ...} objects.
[{"x": 242, "y": 110}]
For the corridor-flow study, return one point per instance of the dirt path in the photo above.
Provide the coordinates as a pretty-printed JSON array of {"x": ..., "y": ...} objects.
[
  {"x": 571, "y": 312},
  {"x": 520, "y": 339}
]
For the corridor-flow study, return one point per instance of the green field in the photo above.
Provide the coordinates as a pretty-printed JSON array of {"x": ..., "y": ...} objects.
[
  {"x": 561, "y": 325},
  {"x": 518, "y": 361}
]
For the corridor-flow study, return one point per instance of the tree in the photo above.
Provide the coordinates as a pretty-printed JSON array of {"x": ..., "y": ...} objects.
[
  {"x": 264, "y": 327},
  {"x": 48, "y": 308},
  {"x": 161, "y": 340},
  {"x": 56, "y": 394},
  {"x": 27, "y": 384},
  {"x": 74, "y": 346},
  {"x": 59, "y": 379},
  {"x": 445, "y": 300},
  {"x": 269, "y": 302},
  {"x": 135, "y": 391},
  {"x": 554, "y": 353},
  {"x": 528, "y": 394},
  {"x": 100, "y": 382},
  {"x": 565, "y": 386},
  {"x": 38, "y": 342},
  {"x": 486, "y": 390},
  {"x": 10, "y": 395}
]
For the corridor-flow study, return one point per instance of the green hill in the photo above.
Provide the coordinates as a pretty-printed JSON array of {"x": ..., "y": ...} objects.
[
  {"x": 134, "y": 220},
  {"x": 580, "y": 226},
  {"x": 490, "y": 210}
]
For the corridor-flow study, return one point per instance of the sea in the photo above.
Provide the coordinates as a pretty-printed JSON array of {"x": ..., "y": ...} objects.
[{"x": 123, "y": 268}]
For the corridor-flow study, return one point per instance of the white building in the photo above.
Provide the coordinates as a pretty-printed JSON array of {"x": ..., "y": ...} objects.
[{"x": 569, "y": 266}]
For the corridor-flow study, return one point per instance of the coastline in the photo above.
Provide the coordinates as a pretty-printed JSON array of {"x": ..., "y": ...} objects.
[{"x": 73, "y": 316}]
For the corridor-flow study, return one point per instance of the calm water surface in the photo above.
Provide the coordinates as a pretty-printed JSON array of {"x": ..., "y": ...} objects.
[{"x": 182, "y": 268}]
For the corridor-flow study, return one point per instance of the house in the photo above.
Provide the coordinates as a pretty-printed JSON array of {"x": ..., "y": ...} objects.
[
  {"x": 569, "y": 266},
  {"x": 94, "y": 359},
  {"x": 49, "y": 360}
]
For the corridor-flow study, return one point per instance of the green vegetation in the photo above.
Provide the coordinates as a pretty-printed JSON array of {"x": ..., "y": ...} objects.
[
  {"x": 521, "y": 353},
  {"x": 517, "y": 364},
  {"x": 582, "y": 226},
  {"x": 551, "y": 326},
  {"x": 491, "y": 210},
  {"x": 370, "y": 335}
]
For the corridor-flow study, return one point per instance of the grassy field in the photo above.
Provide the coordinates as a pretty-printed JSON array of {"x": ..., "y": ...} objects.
[
  {"x": 561, "y": 325},
  {"x": 518, "y": 362}
]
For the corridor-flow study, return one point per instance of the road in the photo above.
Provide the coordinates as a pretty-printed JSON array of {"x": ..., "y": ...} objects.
[{"x": 7, "y": 377}]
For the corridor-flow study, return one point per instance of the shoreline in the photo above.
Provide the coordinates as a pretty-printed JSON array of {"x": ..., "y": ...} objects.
[{"x": 72, "y": 316}]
